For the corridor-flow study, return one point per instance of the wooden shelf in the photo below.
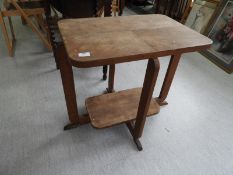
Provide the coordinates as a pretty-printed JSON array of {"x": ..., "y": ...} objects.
[{"x": 114, "y": 108}]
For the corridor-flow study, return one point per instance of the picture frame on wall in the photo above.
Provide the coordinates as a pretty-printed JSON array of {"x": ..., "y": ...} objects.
[
  {"x": 220, "y": 30},
  {"x": 200, "y": 14}
]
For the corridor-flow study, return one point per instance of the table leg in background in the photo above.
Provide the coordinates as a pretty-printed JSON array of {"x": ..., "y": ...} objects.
[
  {"x": 105, "y": 71},
  {"x": 168, "y": 79},
  {"x": 110, "y": 88}
]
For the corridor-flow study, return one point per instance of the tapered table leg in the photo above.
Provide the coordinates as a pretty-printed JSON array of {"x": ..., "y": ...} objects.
[
  {"x": 105, "y": 71},
  {"x": 69, "y": 90},
  {"x": 168, "y": 79},
  {"x": 110, "y": 88},
  {"x": 152, "y": 71}
]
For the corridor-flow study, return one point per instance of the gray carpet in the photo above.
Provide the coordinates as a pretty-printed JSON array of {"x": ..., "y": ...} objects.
[{"x": 191, "y": 136}]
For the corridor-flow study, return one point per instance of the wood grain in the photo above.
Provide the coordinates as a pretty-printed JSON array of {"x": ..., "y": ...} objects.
[
  {"x": 127, "y": 38},
  {"x": 115, "y": 108}
]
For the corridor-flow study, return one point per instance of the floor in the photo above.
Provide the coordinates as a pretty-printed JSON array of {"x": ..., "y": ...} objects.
[{"x": 193, "y": 135}]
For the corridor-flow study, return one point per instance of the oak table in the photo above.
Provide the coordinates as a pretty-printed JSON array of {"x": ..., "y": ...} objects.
[{"x": 91, "y": 42}]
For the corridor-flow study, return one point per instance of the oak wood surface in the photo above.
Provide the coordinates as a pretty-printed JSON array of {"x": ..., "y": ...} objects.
[
  {"x": 127, "y": 38},
  {"x": 115, "y": 108}
]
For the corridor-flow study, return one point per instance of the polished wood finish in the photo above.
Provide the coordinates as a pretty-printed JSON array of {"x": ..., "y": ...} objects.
[
  {"x": 107, "y": 41},
  {"x": 119, "y": 107}
]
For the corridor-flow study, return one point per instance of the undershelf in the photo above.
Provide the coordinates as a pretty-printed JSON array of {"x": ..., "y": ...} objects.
[{"x": 114, "y": 108}]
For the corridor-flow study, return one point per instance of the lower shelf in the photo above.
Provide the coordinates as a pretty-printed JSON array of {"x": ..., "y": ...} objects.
[{"x": 114, "y": 108}]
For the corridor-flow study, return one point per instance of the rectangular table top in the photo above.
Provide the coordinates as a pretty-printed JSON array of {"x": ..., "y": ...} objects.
[{"x": 127, "y": 38}]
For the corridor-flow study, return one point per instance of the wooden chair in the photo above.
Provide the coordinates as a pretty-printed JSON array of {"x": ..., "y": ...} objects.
[
  {"x": 117, "y": 7},
  {"x": 25, "y": 9},
  {"x": 176, "y": 9}
]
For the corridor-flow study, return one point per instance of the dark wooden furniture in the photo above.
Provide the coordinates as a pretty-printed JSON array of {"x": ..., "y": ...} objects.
[
  {"x": 176, "y": 9},
  {"x": 108, "y": 42},
  {"x": 71, "y": 9}
]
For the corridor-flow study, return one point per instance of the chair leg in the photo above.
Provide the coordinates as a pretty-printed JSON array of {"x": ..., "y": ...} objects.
[
  {"x": 23, "y": 21},
  {"x": 58, "y": 49},
  {"x": 11, "y": 28},
  {"x": 6, "y": 36},
  {"x": 105, "y": 70},
  {"x": 32, "y": 25}
]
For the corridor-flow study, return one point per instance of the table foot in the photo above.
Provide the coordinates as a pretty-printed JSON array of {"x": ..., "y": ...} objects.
[
  {"x": 138, "y": 144},
  {"x": 70, "y": 126},
  {"x": 83, "y": 119},
  {"x": 161, "y": 103},
  {"x": 109, "y": 91},
  {"x": 136, "y": 140}
]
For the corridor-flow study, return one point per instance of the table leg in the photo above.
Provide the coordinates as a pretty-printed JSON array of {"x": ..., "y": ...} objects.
[
  {"x": 9, "y": 43},
  {"x": 11, "y": 28},
  {"x": 110, "y": 88},
  {"x": 107, "y": 8},
  {"x": 152, "y": 72},
  {"x": 105, "y": 70},
  {"x": 168, "y": 79},
  {"x": 122, "y": 5},
  {"x": 69, "y": 90}
]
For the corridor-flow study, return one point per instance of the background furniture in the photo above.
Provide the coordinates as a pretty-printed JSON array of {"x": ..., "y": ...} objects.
[
  {"x": 70, "y": 9},
  {"x": 176, "y": 9},
  {"x": 26, "y": 9}
]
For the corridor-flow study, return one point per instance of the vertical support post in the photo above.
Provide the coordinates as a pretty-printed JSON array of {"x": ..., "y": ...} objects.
[
  {"x": 105, "y": 70},
  {"x": 121, "y": 7},
  {"x": 69, "y": 89},
  {"x": 107, "y": 12},
  {"x": 11, "y": 28},
  {"x": 168, "y": 79},
  {"x": 152, "y": 71},
  {"x": 6, "y": 36},
  {"x": 110, "y": 88}
]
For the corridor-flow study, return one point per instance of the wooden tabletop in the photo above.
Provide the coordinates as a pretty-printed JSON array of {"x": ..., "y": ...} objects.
[{"x": 129, "y": 38}]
